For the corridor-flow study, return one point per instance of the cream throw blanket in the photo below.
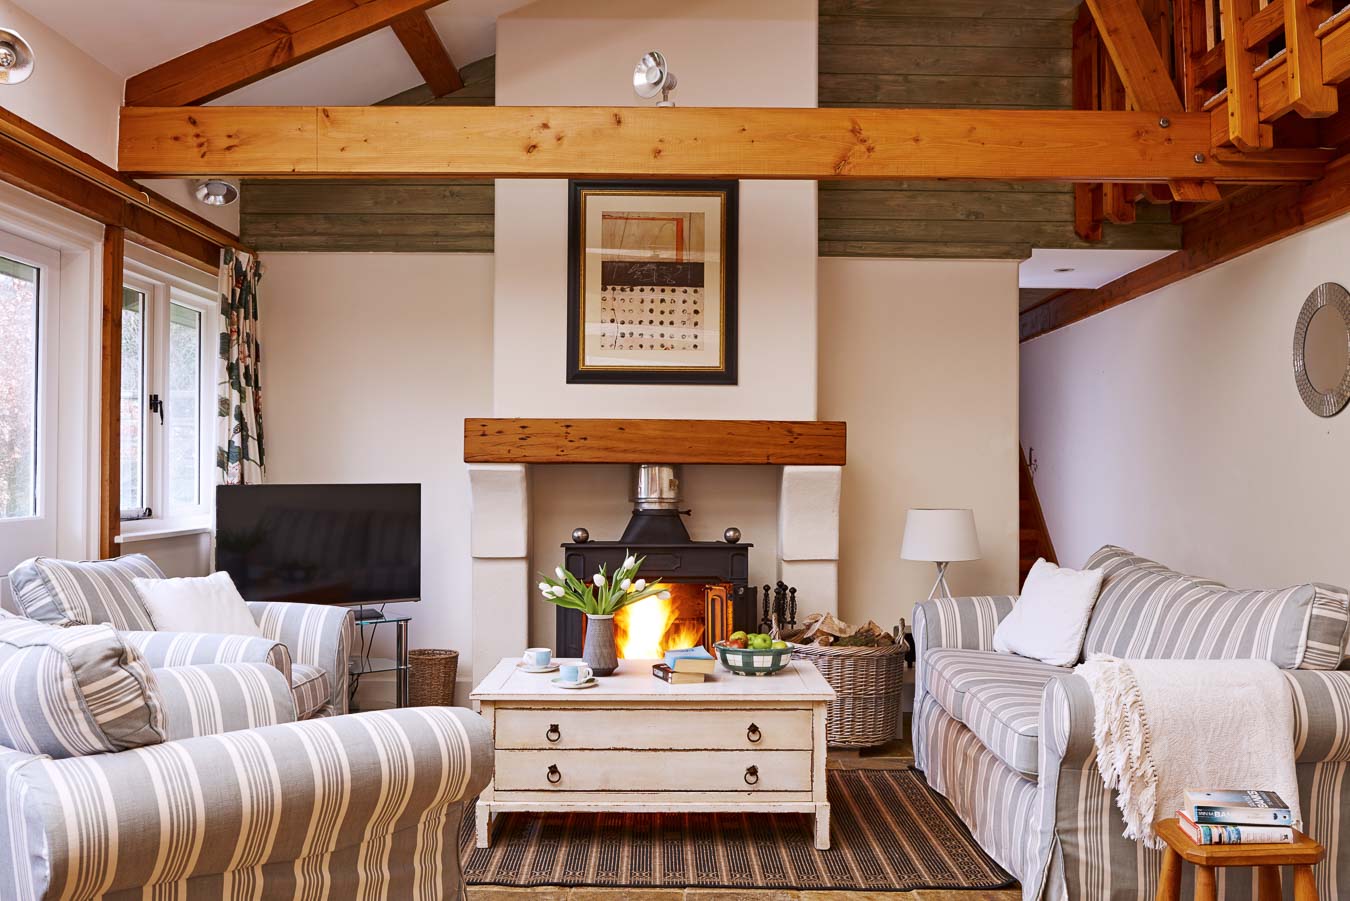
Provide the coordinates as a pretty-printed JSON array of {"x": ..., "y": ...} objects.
[{"x": 1164, "y": 727}]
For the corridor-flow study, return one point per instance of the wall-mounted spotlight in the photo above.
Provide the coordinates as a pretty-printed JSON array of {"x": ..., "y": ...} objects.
[
  {"x": 216, "y": 192},
  {"x": 16, "y": 58},
  {"x": 652, "y": 76}
]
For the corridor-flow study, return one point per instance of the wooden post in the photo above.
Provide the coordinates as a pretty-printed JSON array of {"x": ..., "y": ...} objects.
[
  {"x": 1309, "y": 95},
  {"x": 110, "y": 395},
  {"x": 1245, "y": 128}
]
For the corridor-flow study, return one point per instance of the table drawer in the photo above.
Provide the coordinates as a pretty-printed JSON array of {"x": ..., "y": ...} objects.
[
  {"x": 655, "y": 729},
  {"x": 652, "y": 771}
]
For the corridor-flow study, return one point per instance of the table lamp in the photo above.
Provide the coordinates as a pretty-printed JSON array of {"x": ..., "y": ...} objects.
[{"x": 940, "y": 536}]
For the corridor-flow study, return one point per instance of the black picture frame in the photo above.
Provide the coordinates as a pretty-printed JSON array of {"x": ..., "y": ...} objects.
[{"x": 578, "y": 372}]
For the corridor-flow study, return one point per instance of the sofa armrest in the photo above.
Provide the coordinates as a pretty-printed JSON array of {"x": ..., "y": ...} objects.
[
  {"x": 967, "y": 623},
  {"x": 212, "y": 698},
  {"x": 1321, "y": 714},
  {"x": 161, "y": 649},
  {"x": 252, "y": 802},
  {"x": 1067, "y": 725},
  {"x": 314, "y": 634},
  {"x": 23, "y": 842}
]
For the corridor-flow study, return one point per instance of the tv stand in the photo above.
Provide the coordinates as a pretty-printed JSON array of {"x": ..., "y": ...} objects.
[{"x": 361, "y": 663}]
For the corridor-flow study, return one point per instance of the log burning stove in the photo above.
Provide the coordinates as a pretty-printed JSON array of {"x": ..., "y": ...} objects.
[{"x": 708, "y": 580}]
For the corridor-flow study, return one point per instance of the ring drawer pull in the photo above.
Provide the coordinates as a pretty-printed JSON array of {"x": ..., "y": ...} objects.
[
  {"x": 753, "y": 734},
  {"x": 554, "y": 776},
  {"x": 553, "y": 734},
  {"x": 752, "y": 775}
]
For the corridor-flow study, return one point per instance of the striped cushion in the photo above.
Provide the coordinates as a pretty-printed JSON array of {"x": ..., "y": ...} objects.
[
  {"x": 311, "y": 687},
  {"x": 997, "y": 697},
  {"x": 65, "y": 593},
  {"x": 75, "y": 691},
  {"x": 1146, "y": 610},
  {"x": 223, "y": 697}
]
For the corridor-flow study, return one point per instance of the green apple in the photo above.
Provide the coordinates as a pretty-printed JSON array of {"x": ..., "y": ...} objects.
[
  {"x": 738, "y": 634},
  {"x": 779, "y": 645}
]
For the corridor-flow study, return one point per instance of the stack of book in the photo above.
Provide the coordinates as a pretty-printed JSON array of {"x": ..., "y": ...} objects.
[
  {"x": 1236, "y": 818},
  {"x": 688, "y": 666}
]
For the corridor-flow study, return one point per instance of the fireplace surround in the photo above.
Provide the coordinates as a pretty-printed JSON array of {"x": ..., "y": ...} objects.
[{"x": 807, "y": 457}]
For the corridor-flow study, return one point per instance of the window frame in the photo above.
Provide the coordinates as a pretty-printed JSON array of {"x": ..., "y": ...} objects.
[{"x": 161, "y": 290}]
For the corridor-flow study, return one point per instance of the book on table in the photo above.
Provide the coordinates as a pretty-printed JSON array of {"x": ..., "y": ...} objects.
[
  {"x": 691, "y": 660},
  {"x": 1237, "y": 808},
  {"x": 674, "y": 677},
  {"x": 1220, "y": 834}
]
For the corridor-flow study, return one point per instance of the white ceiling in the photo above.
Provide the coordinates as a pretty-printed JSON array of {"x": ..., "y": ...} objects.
[
  {"x": 130, "y": 36},
  {"x": 1088, "y": 268}
]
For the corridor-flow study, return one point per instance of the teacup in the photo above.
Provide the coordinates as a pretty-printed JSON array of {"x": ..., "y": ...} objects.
[
  {"x": 537, "y": 658},
  {"x": 575, "y": 673}
]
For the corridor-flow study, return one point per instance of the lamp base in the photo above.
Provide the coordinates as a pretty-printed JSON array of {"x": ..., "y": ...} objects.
[{"x": 940, "y": 589}]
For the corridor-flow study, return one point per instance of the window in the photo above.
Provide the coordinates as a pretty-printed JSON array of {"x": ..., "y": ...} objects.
[
  {"x": 19, "y": 362},
  {"x": 166, "y": 377}
]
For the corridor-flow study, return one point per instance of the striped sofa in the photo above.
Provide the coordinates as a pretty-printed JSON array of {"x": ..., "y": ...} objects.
[
  {"x": 119, "y": 781},
  {"x": 1009, "y": 740},
  {"x": 308, "y": 643}
]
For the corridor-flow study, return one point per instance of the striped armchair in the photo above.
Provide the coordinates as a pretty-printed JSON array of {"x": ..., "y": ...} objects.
[
  {"x": 1009, "y": 740},
  {"x": 308, "y": 643},
  {"x": 197, "y": 781}
]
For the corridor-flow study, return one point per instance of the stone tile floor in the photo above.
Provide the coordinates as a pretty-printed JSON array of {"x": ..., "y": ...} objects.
[{"x": 896, "y": 755}]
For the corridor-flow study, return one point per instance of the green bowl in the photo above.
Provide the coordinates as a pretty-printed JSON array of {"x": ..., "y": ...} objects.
[{"x": 750, "y": 662}]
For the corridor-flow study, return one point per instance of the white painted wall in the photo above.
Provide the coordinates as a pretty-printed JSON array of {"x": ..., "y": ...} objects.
[
  {"x": 1171, "y": 425},
  {"x": 581, "y": 52},
  {"x": 70, "y": 94},
  {"x": 920, "y": 358},
  {"x": 371, "y": 362}
]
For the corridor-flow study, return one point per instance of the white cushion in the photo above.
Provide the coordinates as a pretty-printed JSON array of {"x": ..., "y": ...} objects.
[
  {"x": 208, "y": 604},
  {"x": 1050, "y": 619}
]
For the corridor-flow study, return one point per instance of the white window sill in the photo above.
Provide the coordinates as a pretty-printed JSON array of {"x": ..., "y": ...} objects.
[{"x": 151, "y": 529}]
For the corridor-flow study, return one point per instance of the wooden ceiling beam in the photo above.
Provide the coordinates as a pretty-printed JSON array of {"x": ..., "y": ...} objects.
[
  {"x": 1241, "y": 223},
  {"x": 688, "y": 142},
  {"x": 278, "y": 43},
  {"x": 419, "y": 37}
]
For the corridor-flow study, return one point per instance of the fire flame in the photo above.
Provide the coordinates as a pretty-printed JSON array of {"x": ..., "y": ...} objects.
[{"x": 649, "y": 628}]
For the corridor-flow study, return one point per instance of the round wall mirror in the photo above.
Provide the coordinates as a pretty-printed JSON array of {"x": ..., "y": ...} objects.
[{"x": 1322, "y": 350}]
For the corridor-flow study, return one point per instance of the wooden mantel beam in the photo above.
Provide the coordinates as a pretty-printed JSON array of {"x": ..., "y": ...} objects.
[
  {"x": 280, "y": 42},
  {"x": 690, "y": 142}
]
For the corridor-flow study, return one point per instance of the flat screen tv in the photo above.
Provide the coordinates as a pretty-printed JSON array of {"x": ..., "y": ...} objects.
[{"x": 321, "y": 544}]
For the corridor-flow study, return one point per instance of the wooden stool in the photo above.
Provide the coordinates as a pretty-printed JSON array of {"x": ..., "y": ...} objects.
[{"x": 1301, "y": 855}]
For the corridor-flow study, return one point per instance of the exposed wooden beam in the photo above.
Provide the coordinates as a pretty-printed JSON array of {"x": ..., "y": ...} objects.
[
  {"x": 1142, "y": 70},
  {"x": 687, "y": 142},
  {"x": 1245, "y": 127},
  {"x": 110, "y": 394},
  {"x": 1250, "y": 219},
  {"x": 42, "y": 164},
  {"x": 1088, "y": 199},
  {"x": 260, "y": 50},
  {"x": 418, "y": 36},
  {"x": 730, "y": 441},
  {"x": 1309, "y": 94}
]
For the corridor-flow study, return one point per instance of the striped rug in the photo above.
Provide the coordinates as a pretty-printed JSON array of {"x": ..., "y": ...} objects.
[{"x": 889, "y": 831}]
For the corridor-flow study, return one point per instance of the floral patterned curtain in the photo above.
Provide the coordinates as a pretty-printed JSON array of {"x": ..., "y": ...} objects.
[{"x": 239, "y": 422}]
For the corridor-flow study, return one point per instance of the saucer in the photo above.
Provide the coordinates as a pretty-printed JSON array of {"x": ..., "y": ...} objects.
[
  {"x": 551, "y": 668},
  {"x": 589, "y": 683}
]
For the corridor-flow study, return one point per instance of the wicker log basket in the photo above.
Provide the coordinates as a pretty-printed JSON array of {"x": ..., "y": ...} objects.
[
  {"x": 867, "y": 684},
  {"x": 432, "y": 680}
]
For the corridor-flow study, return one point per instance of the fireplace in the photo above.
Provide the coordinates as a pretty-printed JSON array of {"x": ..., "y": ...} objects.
[{"x": 710, "y": 595}]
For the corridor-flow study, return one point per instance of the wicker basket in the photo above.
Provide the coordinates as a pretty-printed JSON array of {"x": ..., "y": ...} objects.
[
  {"x": 432, "y": 680},
  {"x": 867, "y": 682}
]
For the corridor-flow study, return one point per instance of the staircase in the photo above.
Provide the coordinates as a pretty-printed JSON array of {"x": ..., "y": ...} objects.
[{"x": 1033, "y": 536}]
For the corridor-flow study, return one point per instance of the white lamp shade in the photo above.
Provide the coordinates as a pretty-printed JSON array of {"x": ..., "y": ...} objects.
[{"x": 940, "y": 536}]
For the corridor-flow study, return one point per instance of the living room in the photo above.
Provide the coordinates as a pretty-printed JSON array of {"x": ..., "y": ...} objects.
[{"x": 315, "y": 350}]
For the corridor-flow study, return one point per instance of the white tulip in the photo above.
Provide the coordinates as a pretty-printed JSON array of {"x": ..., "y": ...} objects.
[
  {"x": 665, "y": 595},
  {"x": 559, "y": 591},
  {"x": 546, "y": 591},
  {"x": 599, "y": 579},
  {"x": 626, "y": 584},
  {"x": 558, "y": 571},
  {"x": 629, "y": 562},
  {"x": 544, "y": 586},
  {"x": 640, "y": 585}
]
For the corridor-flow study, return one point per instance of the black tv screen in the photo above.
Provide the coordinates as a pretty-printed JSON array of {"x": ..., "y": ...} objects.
[{"x": 321, "y": 544}]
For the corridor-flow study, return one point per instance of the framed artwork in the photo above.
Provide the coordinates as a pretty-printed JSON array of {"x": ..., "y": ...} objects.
[{"x": 652, "y": 282}]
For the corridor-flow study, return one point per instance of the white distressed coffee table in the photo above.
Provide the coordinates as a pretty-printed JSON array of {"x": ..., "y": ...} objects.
[{"x": 635, "y": 744}]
